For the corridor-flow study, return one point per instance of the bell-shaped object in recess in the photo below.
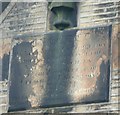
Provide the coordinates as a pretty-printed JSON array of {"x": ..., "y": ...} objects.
[{"x": 63, "y": 14}]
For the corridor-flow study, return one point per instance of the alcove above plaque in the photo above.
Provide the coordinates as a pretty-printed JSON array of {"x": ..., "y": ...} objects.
[{"x": 62, "y": 15}]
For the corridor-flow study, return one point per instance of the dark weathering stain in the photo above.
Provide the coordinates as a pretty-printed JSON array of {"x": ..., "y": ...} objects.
[
  {"x": 5, "y": 67},
  {"x": 58, "y": 50},
  {"x": 21, "y": 65}
]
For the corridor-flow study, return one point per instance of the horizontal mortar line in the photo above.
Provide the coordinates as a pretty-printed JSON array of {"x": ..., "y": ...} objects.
[
  {"x": 115, "y": 82},
  {"x": 31, "y": 7},
  {"x": 20, "y": 18},
  {"x": 98, "y": 23},
  {"x": 3, "y": 87},
  {"x": 34, "y": 6},
  {"x": 1, "y": 96},
  {"x": 29, "y": 34},
  {"x": 115, "y": 87},
  {"x": 19, "y": 34},
  {"x": 1, "y": 93},
  {"x": 24, "y": 25},
  {"x": 98, "y": 17},
  {"x": 3, "y": 90},
  {"x": 116, "y": 69},
  {"x": 25, "y": 13},
  {"x": 29, "y": 10},
  {"x": 17, "y": 13},
  {"x": 3, "y": 82},
  {"x": 21, "y": 30},
  {"x": 101, "y": 110},
  {"x": 3, "y": 104},
  {"x": 24, "y": 28},
  {"x": 112, "y": 109},
  {"x": 91, "y": 1},
  {"x": 92, "y": 104},
  {"x": 96, "y": 110},
  {"x": 104, "y": 111},
  {"x": 29, "y": 27},
  {"x": 23, "y": 19},
  {"x": 36, "y": 11},
  {"x": 102, "y": 19},
  {"x": 27, "y": 31},
  {"x": 99, "y": 14},
  {"x": 115, "y": 95},
  {"x": 113, "y": 91},
  {"x": 115, "y": 102},
  {"x": 14, "y": 28},
  {"x": 116, "y": 78},
  {"x": 17, "y": 28},
  {"x": 99, "y": 3},
  {"x": 95, "y": 9}
]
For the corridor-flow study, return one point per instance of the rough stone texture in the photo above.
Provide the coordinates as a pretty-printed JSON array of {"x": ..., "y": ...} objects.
[
  {"x": 3, "y": 97},
  {"x": 17, "y": 19},
  {"x": 98, "y": 12},
  {"x": 27, "y": 18}
]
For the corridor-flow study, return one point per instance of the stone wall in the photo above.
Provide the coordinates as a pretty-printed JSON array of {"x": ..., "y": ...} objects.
[
  {"x": 3, "y": 97},
  {"x": 28, "y": 19},
  {"x": 98, "y": 12}
]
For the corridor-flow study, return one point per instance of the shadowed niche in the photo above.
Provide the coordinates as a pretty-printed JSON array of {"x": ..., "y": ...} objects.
[{"x": 63, "y": 15}]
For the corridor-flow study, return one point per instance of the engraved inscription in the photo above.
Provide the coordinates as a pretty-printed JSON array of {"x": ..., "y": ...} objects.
[{"x": 90, "y": 66}]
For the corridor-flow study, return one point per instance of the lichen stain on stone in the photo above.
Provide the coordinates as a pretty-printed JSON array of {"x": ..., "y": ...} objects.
[
  {"x": 38, "y": 75},
  {"x": 85, "y": 73},
  {"x": 116, "y": 46},
  {"x": 5, "y": 45}
]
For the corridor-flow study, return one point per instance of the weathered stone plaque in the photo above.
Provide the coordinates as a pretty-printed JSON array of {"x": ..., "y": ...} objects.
[{"x": 61, "y": 68}]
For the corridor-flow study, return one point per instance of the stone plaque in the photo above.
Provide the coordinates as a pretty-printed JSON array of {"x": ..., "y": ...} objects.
[
  {"x": 90, "y": 69},
  {"x": 62, "y": 68}
]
